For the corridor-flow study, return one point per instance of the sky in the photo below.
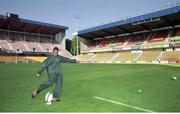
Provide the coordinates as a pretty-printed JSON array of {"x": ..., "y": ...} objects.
[{"x": 90, "y": 12}]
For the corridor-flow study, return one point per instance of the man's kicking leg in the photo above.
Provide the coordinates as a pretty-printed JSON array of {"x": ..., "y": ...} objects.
[{"x": 44, "y": 86}]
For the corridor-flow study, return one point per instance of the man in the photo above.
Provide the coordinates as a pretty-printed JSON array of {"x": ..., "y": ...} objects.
[{"x": 53, "y": 66}]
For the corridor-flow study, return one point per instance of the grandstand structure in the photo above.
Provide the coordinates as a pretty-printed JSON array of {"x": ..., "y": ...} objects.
[
  {"x": 23, "y": 40},
  {"x": 149, "y": 38}
]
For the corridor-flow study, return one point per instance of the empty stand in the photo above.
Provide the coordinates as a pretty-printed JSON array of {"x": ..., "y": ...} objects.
[
  {"x": 103, "y": 57},
  {"x": 137, "y": 39},
  {"x": 126, "y": 56},
  {"x": 85, "y": 57},
  {"x": 19, "y": 42},
  {"x": 171, "y": 56},
  {"x": 149, "y": 55},
  {"x": 159, "y": 36}
]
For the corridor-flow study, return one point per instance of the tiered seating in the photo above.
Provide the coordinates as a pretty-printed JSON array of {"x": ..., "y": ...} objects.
[
  {"x": 119, "y": 41},
  {"x": 21, "y": 42},
  {"x": 159, "y": 36},
  {"x": 103, "y": 57},
  {"x": 4, "y": 44},
  {"x": 46, "y": 46},
  {"x": 126, "y": 56},
  {"x": 149, "y": 55},
  {"x": 137, "y": 39},
  {"x": 175, "y": 36},
  {"x": 18, "y": 45},
  {"x": 102, "y": 44},
  {"x": 85, "y": 57},
  {"x": 176, "y": 32},
  {"x": 33, "y": 45},
  {"x": 171, "y": 56}
]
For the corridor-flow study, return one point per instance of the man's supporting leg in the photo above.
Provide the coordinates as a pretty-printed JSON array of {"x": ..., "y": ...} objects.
[{"x": 58, "y": 86}]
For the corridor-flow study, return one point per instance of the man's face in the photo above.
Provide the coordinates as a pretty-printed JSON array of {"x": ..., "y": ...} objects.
[{"x": 55, "y": 52}]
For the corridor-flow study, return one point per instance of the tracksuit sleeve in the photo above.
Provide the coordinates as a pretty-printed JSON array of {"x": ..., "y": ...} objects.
[
  {"x": 43, "y": 67},
  {"x": 67, "y": 60}
]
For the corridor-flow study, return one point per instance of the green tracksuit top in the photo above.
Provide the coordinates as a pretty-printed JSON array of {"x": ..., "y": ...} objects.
[{"x": 53, "y": 64}]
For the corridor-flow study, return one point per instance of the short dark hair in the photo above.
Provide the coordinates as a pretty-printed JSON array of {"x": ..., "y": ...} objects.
[{"x": 55, "y": 48}]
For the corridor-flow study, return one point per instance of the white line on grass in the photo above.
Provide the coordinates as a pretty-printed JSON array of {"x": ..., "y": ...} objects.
[{"x": 130, "y": 106}]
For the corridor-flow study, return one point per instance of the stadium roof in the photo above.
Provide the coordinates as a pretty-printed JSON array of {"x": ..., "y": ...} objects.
[
  {"x": 25, "y": 25},
  {"x": 168, "y": 17}
]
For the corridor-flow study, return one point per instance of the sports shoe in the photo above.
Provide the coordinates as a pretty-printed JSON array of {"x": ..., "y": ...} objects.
[
  {"x": 55, "y": 99},
  {"x": 35, "y": 93}
]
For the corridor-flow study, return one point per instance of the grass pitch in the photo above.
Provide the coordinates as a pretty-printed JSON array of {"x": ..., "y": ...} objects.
[{"x": 82, "y": 82}]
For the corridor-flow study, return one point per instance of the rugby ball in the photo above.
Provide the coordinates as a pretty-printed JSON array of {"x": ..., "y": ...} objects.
[{"x": 48, "y": 97}]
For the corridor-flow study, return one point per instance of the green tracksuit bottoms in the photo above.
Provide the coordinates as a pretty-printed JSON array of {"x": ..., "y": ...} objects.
[{"x": 53, "y": 77}]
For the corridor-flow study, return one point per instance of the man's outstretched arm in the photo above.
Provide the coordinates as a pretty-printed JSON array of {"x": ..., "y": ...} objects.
[{"x": 67, "y": 60}]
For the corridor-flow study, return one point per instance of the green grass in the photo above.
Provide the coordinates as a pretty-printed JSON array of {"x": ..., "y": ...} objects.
[{"x": 117, "y": 82}]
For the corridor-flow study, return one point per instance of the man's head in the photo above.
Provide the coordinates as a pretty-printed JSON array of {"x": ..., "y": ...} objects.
[{"x": 55, "y": 51}]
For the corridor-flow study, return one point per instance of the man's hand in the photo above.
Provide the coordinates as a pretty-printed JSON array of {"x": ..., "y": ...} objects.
[{"x": 38, "y": 75}]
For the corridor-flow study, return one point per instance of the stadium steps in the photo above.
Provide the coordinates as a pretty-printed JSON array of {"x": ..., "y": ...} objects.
[
  {"x": 115, "y": 56},
  {"x": 136, "y": 59},
  {"x": 40, "y": 47},
  {"x": 9, "y": 46},
  {"x": 126, "y": 42},
  {"x": 149, "y": 56},
  {"x": 146, "y": 41},
  {"x": 66, "y": 53},
  {"x": 171, "y": 56},
  {"x": 169, "y": 36},
  {"x": 90, "y": 59},
  {"x": 26, "y": 46},
  {"x": 160, "y": 55}
]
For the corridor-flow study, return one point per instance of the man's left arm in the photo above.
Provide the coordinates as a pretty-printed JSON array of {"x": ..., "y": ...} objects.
[{"x": 67, "y": 60}]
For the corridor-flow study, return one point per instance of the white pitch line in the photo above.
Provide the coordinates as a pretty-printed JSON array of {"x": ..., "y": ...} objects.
[{"x": 131, "y": 106}]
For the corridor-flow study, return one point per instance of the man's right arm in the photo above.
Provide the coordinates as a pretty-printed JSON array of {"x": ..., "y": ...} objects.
[{"x": 43, "y": 67}]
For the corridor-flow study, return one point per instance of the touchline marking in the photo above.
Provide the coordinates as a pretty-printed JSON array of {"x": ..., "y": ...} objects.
[{"x": 131, "y": 106}]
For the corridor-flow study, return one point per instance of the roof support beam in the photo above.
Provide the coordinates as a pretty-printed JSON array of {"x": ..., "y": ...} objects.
[
  {"x": 109, "y": 33},
  {"x": 97, "y": 36},
  {"x": 168, "y": 22},
  {"x": 145, "y": 27},
  {"x": 6, "y": 24},
  {"x": 36, "y": 28},
  {"x": 125, "y": 30},
  {"x": 22, "y": 27},
  {"x": 46, "y": 31},
  {"x": 88, "y": 37}
]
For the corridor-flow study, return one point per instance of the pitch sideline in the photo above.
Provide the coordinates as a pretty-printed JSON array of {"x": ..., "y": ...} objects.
[{"x": 130, "y": 106}]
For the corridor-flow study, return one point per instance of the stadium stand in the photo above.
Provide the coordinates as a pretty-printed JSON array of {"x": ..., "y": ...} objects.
[
  {"x": 19, "y": 36},
  {"x": 149, "y": 38}
]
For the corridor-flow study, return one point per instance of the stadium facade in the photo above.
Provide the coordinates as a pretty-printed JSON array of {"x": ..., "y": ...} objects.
[
  {"x": 149, "y": 38},
  {"x": 22, "y": 40}
]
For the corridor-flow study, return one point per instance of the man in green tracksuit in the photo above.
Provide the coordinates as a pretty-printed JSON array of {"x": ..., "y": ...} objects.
[{"x": 53, "y": 66}]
